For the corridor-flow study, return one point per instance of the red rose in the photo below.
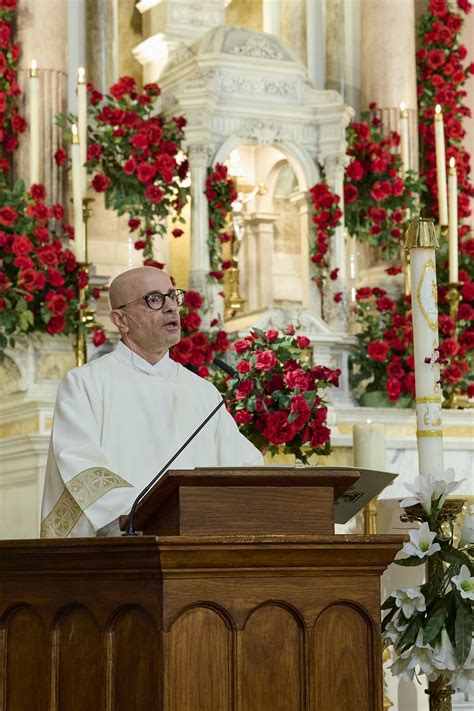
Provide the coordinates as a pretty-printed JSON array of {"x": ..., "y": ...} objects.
[
  {"x": 57, "y": 304},
  {"x": 94, "y": 152},
  {"x": 37, "y": 191},
  {"x": 8, "y": 216},
  {"x": 355, "y": 170},
  {"x": 350, "y": 193},
  {"x": 467, "y": 291},
  {"x": 21, "y": 245},
  {"x": 243, "y": 417},
  {"x": 98, "y": 337},
  {"x": 55, "y": 278},
  {"x": 378, "y": 350},
  {"x": 31, "y": 280},
  {"x": 297, "y": 379},
  {"x": 266, "y": 360},
  {"x": 154, "y": 194},
  {"x": 182, "y": 351},
  {"x": 465, "y": 312},
  {"x": 243, "y": 367},
  {"x": 47, "y": 255},
  {"x": 191, "y": 321},
  {"x": 271, "y": 334},
  {"x": 446, "y": 325},
  {"x": 385, "y": 303},
  {"x": 23, "y": 262},
  {"x": 125, "y": 85},
  {"x": 303, "y": 341},
  {"x": 177, "y": 232},
  {"x": 435, "y": 59},
  {"x": 193, "y": 299},
  {"x": 320, "y": 435},
  {"x": 100, "y": 183},
  {"x": 393, "y": 388},
  {"x": 277, "y": 428},
  {"x": 448, "y": 347},
  {"x": 60, "y": 157},
  {"x": 244, "y": 389},
  {"x": 300, "y": 407},
  {"x": 394, "y": 368},
  {"x": 467, "y": 339},
  {"x": 290, "y": 330},
  {"x": 139, "y": 140},
  {"x": 55, "y": 324},
  {"x": 363, "y": 293},
  {"x": 452, "y": 374},
  {"x": 129, "y": 166},
  {"x": 243, "y": 345},
  {"x": 145, "y": 172}
]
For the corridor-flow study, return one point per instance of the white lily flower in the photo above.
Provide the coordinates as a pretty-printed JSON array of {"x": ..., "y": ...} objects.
[
  {"x": 463, "y": 680},
  {"x": 391, "y": 635},
  {"x": 428, "y": 488},
  {"x": 443, "y": 655},
  {"x": 464, "y": 583},
  {"x": 410, "y": 600},
  {"x": 417, "y": 656},
  {"x": 467, "y": 530},
  {"x": 421, "y": 542}
]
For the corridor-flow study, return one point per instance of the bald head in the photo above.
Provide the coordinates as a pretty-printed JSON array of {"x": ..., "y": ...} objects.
[{"x": 135, "y": 283}]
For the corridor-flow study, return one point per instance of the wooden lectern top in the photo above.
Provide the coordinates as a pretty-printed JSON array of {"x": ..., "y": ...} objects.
[{"x": 244, "y": 500}]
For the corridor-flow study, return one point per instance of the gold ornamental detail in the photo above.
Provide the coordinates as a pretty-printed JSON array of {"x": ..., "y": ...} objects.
[
  {"x": 427, "y": 295},
  {"x": 80, "y": 492}
]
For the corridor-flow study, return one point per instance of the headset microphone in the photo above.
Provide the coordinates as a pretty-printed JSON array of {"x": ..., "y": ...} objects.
[{"x": 130, "y": 315}]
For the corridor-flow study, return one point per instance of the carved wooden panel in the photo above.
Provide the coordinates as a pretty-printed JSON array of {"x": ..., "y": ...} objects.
[
  {"x": 342, "y": 641},
  {"x": 134, "y": 653},
  {"x": 272, "y": 661},
  {"x": 78, "y": 663},
  {"x": 199, "y": 662},
  {"x": 25, "y": 664}
]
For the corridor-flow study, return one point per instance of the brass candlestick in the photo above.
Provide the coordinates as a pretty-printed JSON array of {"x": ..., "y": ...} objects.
[
  {"x": 233, "y": 303},
  {"x": 454, "y": 298},
  {"x": 85, "y": 316}
]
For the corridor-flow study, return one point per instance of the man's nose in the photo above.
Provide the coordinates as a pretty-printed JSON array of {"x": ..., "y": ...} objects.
[{"x": 170, "y": 303}]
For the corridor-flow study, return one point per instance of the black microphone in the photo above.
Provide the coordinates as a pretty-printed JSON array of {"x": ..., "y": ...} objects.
[{"x": 130, "y": 530}]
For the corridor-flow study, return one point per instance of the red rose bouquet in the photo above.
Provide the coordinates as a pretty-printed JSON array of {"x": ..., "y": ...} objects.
[
  {"x": 136, "y": 157},
  {"x": 377, "y": 200},
  {"x": 383, "y": 360},
  {"x": 279, "y": 405},
  {"x": 39, "y": 276},
  {"x": 220, "y": 193},
  {"x": 198, "y": 348}
]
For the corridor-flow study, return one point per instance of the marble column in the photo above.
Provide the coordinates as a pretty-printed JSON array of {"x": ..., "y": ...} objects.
[
  {"x": 335, "y": 311},
  {"x": 390, "y": 79},
  {"x": 315, "y": 42},
  {"x": 259, "y": 237},
  {"x": 335, "y": 45},
  {"x": 45, "y": 40},
  {"x": 102, "y": 58}
]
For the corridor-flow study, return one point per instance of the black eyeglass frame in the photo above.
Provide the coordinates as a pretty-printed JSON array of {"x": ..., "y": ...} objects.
[{"x": 173, "y": 294}]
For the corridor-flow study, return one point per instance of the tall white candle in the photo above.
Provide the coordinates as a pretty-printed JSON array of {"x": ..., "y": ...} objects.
[
  {"x": 82, "y": 122},
  {"x": 421, "y": 241},
  {"x": 369, "y": 446},
  {"x": 34, "y": 120},
  {"x": 441, "y": 166},
  {"x": 79, "y": 238},
  {"x": 453, "y": 221},
  {"x": 405, "y": 138}
]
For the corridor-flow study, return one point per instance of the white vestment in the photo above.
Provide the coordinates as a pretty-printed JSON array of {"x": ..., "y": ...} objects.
[{"x": 117, "y": 421}]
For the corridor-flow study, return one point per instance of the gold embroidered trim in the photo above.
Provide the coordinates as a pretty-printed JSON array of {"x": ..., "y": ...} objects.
[
  {"x": 429, "y": 398},
  {"x": 429, "y": 433},
  {"x": 80, "y": 492}
]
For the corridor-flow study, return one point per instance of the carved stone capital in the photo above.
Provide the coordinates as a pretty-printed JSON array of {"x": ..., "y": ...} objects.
[{"x": 200, "y": 154}]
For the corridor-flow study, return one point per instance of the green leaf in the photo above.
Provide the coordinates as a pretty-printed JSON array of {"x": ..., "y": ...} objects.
[
  {"x": 410, "y": 561},
  {"x": 434, "y": 623},
  {"x": 463, "y": 632},
  {"x": 388, "y": 603},
  {"x": 454, "y": 557},
  {"x": 409, "y": 636},
  {"x": 293, "y": 416}
]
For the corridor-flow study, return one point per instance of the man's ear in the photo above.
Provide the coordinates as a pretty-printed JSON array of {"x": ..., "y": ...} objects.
[{"x": 118, "y": 318}]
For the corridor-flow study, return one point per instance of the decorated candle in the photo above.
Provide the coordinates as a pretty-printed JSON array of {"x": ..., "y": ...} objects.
[
  {"x": 79, "y": 243},
  {"x": 34, "y": 121},
  {"x": 421, "y": 243},
  {"x": 453, "y": 221},
  {"x": 441, "y": 166},
  {"x": 82, "y": 123},
  {"x": 369, "y": 446},
  {"x": 404, "y": 136}
]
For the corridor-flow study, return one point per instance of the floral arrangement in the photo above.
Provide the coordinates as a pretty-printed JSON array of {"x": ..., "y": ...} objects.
[
  {"x": 326, "y": 217},
  {"x": 12, "y": 122},
  {"x": 443, "y": 71},
  {"x": 377, "y": 200},
  {"x": 430, "y": 626},
  {"x": 221, "y": 193},
  {"x": 39, "y": 276},
  {"x": 198, "y": 348},
  {"x": 136, "y": 158},
  {"x": 278, "y": 404},
  {"x": 383, "y": 360}
]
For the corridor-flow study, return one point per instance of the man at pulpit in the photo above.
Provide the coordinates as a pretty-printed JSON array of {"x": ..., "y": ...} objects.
[{"x": 119, "y": 418}]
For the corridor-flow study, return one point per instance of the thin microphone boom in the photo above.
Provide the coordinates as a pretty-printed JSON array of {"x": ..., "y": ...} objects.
[{"x": 130, "y": 530}]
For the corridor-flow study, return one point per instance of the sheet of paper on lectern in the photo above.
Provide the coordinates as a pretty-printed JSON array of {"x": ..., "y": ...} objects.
[{"x": 371, "y": 483}]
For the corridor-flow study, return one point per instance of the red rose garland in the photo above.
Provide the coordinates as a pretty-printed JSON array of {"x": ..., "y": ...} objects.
[
  {"x": 326, "y": 217},
  {"x": 12, "y": 122},
  {"x": 221, "y": 193},
  {"x": 136, "y": 158}
]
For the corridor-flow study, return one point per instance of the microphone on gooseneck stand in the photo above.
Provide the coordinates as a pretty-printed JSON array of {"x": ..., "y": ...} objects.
[{"x": 130, "y": 530}]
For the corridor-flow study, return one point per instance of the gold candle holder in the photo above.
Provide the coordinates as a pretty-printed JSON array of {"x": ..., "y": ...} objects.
[
  {"x": 233, "y": 302},
  {"x": 454, "y": 298},
  {"x": 85, "y": 316}
]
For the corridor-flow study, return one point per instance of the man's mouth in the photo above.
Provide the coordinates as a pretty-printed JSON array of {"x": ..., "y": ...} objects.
[{"x": 172, "y": 324}]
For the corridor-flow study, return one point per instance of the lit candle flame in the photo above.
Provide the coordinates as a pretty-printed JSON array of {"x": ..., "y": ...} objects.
[
  {"x": 34, "y": 66},
  {"x": 369, "y": 422},
  {"x": 74, "y": 129},
  {"x": 402, "y": 106},
  {"x": 452, "y": 163},
  {"x": 438, "y": 109},
  {"x": 81, "y": 75}
]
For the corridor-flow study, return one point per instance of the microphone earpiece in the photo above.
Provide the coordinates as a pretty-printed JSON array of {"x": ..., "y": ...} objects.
[{"x": 130, "y": 316}]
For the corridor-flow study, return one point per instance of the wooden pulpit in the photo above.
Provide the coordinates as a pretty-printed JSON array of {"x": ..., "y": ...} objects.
[{"x": 238, "y": 597}]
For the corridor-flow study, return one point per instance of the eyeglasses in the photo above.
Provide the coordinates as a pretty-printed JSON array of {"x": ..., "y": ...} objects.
[{"x": 155, "y": 300}]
